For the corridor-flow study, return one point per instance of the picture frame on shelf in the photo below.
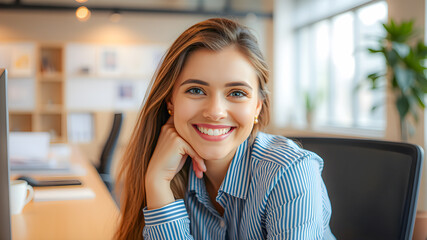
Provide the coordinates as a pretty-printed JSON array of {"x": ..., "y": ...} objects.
[
  {"x": 126, "y": 97},
  {"x": 109, "y": 64},
  {"x": 22, "y": 60}
]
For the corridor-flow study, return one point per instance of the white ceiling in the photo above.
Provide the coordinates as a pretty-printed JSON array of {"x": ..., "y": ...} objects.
[{"x": 210, "y": 5}]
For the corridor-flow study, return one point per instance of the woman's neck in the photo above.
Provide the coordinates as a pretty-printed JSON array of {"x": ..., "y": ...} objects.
[
  {"x": 215, "y": 174},
  {"x": 216, "y": 170}
]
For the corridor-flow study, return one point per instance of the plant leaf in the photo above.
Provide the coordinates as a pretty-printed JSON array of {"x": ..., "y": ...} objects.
[
  {"x": 371, "y": 50},
  {"x": 403, "y": 78},
  {"x": 419, "y": 97},
  {"x": 402, "y": 105}
]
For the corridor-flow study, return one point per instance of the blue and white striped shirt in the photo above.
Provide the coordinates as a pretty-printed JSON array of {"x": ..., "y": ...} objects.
[{"x": 272, "y": 190}]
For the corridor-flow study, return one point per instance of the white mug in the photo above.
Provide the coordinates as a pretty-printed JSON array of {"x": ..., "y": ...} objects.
[{"x": 20, "y": 193}]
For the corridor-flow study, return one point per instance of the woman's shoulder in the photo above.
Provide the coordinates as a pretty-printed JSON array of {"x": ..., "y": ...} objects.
[{"x": 280, "y": 150}]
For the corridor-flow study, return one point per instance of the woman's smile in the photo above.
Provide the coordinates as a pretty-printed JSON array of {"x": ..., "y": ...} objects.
[{"x": 213, "y": 132}]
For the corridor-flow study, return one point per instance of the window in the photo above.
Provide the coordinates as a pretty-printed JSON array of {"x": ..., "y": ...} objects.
[{"x": 330, "y": 62}]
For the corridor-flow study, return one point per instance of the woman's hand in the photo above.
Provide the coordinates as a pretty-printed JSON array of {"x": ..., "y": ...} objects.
[{"x": 167, "y": 160}]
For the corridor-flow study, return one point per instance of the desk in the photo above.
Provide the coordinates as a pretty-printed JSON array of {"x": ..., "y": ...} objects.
[{"x": 70, "y": 219}]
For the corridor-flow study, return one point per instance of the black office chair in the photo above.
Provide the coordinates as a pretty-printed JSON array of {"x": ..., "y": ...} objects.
[
  {"x": 372, "y": 185},
  {"x": 106, "y": 159}
]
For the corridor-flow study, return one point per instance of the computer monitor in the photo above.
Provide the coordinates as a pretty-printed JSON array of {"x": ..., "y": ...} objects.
[{"x": 5, "y": 225}]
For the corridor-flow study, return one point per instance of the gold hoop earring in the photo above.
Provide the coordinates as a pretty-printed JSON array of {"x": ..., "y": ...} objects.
[
  {"x": 170, "y": 112},
  {"x": 256, "y": 120}
]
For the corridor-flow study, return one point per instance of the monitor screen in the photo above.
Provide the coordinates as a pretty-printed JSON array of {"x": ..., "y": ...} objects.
[{"x": 5, "y": 228}]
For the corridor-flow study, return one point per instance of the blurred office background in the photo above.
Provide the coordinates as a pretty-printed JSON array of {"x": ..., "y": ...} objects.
[{"x": 70, "y": 71}]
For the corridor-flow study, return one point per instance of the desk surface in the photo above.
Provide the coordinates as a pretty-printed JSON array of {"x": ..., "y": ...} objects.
[{"x": 70, "y": 219}]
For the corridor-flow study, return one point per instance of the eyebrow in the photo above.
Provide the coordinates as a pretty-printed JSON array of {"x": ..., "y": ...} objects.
[
  {"x": 231, "y": 84},
  {"x": 197, "y": 81},
  {"x": 238, "y": 84}
]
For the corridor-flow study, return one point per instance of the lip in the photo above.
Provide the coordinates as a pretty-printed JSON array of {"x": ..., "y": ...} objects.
[
  {"x": 213, "y": 138},
  {"x": 213, "y": 126}
]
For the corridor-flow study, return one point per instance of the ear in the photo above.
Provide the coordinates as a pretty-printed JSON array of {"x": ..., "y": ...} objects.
[
  {"x": 258, "y": 107},
  {"x": 169, "y": 103}
]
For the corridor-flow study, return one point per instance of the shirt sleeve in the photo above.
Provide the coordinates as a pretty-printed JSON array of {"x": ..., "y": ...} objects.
[
  {"x": 168, "y": 222},
  {"x": 297, "y": 207}
]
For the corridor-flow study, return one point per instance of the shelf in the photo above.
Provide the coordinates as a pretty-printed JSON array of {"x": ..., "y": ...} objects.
[
  {"x": 51, "y": 123},
  {"x": 20, "y": 112},
  {"x": 48, "y": 109},
  {"x": 51, "y": 60},
  {"x": 37, "y": 98},
  {"x": 20, "y": 122},
  {"x": 51, "y": 77},
  {"x": 104, "y": 77},
  {"x": 51, "y": 94}
]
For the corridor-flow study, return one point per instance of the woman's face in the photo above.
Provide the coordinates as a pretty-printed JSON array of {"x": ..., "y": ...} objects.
[{"x": 214, "y": 102}]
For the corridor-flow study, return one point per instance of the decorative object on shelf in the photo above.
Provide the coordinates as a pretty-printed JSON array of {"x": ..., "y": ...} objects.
[
  {"x": 22, "y": 64},
  {"x": 405, "y": 54},
  {"x": 85, "y": 70},
  {"x": 47, "y": 65}
]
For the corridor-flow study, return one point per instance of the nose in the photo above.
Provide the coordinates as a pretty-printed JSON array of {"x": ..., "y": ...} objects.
[{"x": 215, "y": 109}]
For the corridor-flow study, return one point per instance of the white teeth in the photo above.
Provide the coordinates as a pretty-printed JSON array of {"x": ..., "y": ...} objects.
[{"x": 213, "y": 132}]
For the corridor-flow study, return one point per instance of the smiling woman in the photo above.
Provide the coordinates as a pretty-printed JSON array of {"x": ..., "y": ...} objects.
[
  {"x": 224, "y": 98},
  {"x": 197, "y": 165}
]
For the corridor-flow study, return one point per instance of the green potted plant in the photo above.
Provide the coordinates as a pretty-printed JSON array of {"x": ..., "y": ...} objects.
[
  {"x": 311, "y": 102},
  {"x": 405, "y": 54},
  {"x": 309, "y": 109}
]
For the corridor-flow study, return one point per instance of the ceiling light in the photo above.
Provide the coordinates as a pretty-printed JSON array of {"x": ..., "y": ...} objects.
[
  {"x": 115, "y": 16},
  {"x": 81, "y": 1},
  {"x": 83, "y": 14}
]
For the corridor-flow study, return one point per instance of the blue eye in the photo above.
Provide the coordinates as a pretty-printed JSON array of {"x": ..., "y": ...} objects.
[
  {"x": 195, "y": 91},
  {"x": 238, "y": 94}
]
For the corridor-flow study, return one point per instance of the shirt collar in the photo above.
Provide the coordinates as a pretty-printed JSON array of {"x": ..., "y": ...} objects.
[{"x": 237, "y": 179}]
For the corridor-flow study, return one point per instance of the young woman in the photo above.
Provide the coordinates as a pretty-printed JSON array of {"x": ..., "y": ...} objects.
[{"x": 197, "y": 165}]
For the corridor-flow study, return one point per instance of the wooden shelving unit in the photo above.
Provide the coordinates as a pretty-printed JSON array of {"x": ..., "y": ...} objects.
[
  {"x": 49, "y": 114},
  {"x": 50, "y": 109}
]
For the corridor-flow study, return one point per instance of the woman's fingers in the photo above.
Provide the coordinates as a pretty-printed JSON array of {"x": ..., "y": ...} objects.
[
  {"x": 171, "y": 153},
  {"x": 196, "y": 169},
  {"x": 198, "y": 163}
]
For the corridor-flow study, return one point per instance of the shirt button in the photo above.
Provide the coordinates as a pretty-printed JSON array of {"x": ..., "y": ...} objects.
[{"x": 222, "y": 223}]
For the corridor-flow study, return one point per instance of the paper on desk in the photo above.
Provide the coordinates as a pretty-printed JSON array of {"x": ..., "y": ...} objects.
[
  {"x": 60, "y": 194},
  {"x": 31, "y": 153},
  {"x": 74, "y": 169},
  {"x": 29, "y": 146}
]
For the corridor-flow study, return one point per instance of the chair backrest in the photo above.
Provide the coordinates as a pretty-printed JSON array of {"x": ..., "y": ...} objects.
[
  {"x": 106, "y": 158},
  {"x": 372, "y": 185}
]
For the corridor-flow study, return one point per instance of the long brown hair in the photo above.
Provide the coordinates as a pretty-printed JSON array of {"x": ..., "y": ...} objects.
[{"x": 213, "y": 34}]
